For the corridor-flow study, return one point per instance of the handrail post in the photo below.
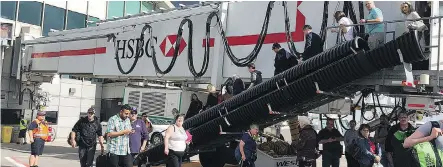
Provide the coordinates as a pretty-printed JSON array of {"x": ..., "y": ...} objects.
[
  {"x": 326, "y": 40},
  {"x": 385, "y": 30},
  {"x": 438, "y": 51}
]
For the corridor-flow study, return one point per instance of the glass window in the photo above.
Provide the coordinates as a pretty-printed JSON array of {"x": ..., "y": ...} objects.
[
  {"x": 132, "y": 7},
  {"x": 92, "y": 20},
  {"x": 54, "y": 19},
  {"x": 8, "y": 9},
  {"x": 51, "y": 117},
  {"x": 76, "y": 20},
  {"x": 30, "y": 12},
  {"x": 147, "y": 6},
  {"x": 115, "y": 9}
]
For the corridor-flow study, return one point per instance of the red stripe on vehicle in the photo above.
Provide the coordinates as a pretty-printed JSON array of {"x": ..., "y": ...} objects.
[
  {"x": 297, "y": 35},
  {"x": 80, "y": 52}
]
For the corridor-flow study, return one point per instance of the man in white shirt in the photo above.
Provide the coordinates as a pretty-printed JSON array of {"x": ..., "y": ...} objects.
[{"x": 346, "y": 32}]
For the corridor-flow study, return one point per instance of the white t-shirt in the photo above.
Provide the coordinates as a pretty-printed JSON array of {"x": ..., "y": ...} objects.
[{"x": 348, "y": 35}]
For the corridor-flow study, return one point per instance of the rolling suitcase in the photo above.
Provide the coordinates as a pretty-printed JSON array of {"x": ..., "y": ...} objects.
[{"x": 102, "y": 160}]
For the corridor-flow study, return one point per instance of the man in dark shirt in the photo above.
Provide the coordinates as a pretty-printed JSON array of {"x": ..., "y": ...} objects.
[
  {"x": 283, "y": 59},
  {"x": 89, "y": 129},
  {"x": 256, "y": 77},
  {"x": 397, "y": 154},
  {"x": 332, "y": 149},
  {"x": 313, "y": 44}
]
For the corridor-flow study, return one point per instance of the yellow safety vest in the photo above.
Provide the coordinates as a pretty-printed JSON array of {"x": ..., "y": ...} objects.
[{"x": 25, "y": 125}]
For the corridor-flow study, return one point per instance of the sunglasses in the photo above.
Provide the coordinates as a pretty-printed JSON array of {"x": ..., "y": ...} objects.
[{"x": 90, "y": 113}]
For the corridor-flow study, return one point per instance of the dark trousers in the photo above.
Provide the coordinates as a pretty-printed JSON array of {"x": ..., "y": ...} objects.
[
  {"x": 329, "y": 159},
  {"x": 86, "y": 155},
  {"x": 174, "y": 158},
  {"x": 120, "y": 160},
  {"x": 351, "y": 161}
]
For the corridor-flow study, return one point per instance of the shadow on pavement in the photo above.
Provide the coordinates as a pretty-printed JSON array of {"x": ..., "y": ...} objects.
[{"x": 60, "y": 152}]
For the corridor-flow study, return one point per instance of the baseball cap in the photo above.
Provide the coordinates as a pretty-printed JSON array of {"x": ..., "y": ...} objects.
[
  {"x": 134, "y": 112},
  {"x": 91, "y": 110},
  {"x": 41, "y": 113}
]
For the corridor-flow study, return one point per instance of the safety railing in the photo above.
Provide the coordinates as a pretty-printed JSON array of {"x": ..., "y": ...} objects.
[{"x": 385, "y": 23}]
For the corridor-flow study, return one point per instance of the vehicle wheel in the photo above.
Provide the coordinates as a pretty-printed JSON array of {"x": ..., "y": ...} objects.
[{"x": 156, "y": 139}]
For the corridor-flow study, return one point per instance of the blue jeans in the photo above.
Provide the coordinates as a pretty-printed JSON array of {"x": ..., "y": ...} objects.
[{"x": 329, "y": 159}]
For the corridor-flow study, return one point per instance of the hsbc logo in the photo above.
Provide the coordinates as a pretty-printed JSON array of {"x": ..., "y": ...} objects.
[
  {"x": 126, "y": 48},
  {"x": 167, "y": 46}
]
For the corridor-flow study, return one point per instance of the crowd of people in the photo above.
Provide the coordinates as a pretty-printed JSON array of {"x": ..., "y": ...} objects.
[{"x": 126, "y": 136}]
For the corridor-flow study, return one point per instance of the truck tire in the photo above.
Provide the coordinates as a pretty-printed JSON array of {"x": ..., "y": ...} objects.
[{"x": 156, "y": 139}]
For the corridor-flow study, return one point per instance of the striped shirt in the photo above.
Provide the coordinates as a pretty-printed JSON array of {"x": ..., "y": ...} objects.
[{"x": 118, "y": 145}]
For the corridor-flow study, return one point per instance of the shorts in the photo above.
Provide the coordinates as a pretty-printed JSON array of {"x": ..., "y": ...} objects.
[
  {"x": 22, "y": 133},
  {"x": 37, "y": 146}
]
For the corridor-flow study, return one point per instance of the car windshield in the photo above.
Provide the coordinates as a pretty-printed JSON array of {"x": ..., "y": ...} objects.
[{"x": 160, "y": 120}]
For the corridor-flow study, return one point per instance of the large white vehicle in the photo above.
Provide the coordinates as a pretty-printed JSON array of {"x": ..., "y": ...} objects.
[{"x": 209, "y": 43}]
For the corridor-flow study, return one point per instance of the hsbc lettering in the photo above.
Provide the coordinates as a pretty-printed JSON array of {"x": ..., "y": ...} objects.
[
  {"x": 287, "y": 163},
  {"x": 127, "y": 48}
]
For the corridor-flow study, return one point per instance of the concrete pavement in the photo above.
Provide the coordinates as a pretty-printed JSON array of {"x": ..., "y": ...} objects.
[
  {"x": 59, "y": 154},
  {"x": 14, "y": 155}
]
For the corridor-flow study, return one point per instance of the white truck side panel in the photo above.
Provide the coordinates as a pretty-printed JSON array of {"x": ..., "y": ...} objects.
[
  {"x": 245, "y": 29},
  {"x": 165, "y": 33},
  {"x": 242, "y": 33},
  {"x": 76, "y": 55},
  {"x": 45, "y": 57}
]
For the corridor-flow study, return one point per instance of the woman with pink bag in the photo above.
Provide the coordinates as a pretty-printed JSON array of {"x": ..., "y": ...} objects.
[{"x": 176, "y": 140}]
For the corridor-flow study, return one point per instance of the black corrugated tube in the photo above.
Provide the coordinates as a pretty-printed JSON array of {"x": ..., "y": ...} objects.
[
  {"x": 309, "y": 66},
  {"x": 302, "y": 90}
]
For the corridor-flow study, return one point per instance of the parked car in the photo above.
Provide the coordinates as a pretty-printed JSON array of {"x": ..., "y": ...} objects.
[{"x": 159, "y": 126}]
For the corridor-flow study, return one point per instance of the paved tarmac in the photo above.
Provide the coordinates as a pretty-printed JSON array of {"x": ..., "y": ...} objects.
[{"x": 59, "y": 154}]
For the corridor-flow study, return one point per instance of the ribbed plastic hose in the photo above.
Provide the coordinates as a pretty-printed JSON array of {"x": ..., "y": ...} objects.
[
  {"x": 303, "y": 90},
  {"x": 318, "y": 61},
  {"x": 300, "y": 90}
]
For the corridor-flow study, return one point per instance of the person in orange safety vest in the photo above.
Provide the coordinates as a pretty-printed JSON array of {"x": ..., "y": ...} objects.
[{"x": 38, "y": 133}]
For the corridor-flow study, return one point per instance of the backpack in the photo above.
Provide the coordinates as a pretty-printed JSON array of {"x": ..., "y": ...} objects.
[
  {"x": 426, "y": 154},
  {"x": 355, "y": 150}
]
